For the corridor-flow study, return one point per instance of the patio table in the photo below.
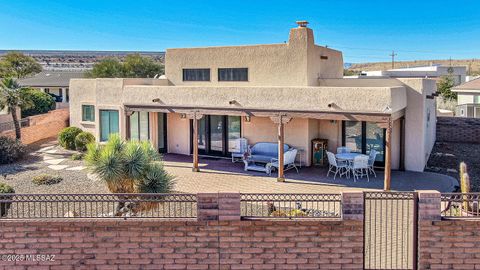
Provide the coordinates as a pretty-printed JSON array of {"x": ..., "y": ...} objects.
[{"x": 347, "y": 156}]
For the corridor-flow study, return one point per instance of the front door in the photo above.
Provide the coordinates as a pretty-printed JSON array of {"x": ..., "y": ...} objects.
[{"x": 217, "y": 134}]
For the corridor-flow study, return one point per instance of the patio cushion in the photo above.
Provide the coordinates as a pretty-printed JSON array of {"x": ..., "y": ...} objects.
[
  {"x": 265, "y": 151},
  {"x": 261, "y": 158}
]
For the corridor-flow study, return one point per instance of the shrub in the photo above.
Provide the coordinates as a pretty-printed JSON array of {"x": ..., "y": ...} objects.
[
  {"x": 46, "y": 179},
  {"x": 66, "y": 138},
  {"x": 77, "y": 156},
  {"x": 82, "y": 139},
  {"x": 11, "y": 150},
  {"x": 5, "y": 206},
  {"x": 4, "y": 188},
  {"x": 39, "y": 102}
]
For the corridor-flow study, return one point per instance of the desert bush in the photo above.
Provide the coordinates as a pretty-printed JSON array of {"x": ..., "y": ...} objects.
[
  {"x": 11, "y": 150},
  {"x": 46, "y": 179},
  {"x": 4, "y": 188},
  {"x": 82, "y": 139},
  {"x": 77, "y": 156},
  {"x": 5, "y": 206},
  {"x": 66, "y": 137}
]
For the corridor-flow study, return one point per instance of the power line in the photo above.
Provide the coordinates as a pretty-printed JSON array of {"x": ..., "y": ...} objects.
[{"x": 393, "y": 59}]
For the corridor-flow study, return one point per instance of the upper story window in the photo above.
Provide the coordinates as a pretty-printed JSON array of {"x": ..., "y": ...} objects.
[
  {"x": 196, "y": 74},
  {"x": 233, "y": 74}
]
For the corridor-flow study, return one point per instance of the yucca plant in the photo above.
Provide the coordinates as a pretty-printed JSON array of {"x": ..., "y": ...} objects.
[{"x": 129, "y": 167}]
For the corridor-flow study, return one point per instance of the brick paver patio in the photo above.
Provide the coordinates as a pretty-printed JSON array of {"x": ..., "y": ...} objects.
[{"x": 221, "y": 175}]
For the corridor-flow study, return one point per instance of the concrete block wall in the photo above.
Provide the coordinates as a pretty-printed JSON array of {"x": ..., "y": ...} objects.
[{"x": 458, "y": 129}]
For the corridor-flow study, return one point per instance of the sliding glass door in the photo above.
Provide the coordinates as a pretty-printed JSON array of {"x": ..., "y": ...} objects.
[
  {"x": 361, "y": 137},
  {"x": 218, "y": 134}
]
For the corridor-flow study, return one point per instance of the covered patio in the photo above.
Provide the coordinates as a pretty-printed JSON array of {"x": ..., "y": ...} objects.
[
  {"x": 280, "y": 119},
  {"x": 221, "y": 175}
]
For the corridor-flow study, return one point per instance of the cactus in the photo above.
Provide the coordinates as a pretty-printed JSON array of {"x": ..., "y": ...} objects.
[
  {"x": 464, "y": 184},
  {"x": 464, "y": 179}
]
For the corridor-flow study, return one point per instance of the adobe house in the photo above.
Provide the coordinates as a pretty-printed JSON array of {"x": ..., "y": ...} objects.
[{"x": 291, "y": 92}]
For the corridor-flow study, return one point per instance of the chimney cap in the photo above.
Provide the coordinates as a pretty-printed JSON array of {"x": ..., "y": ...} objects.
[{"x": 302, "y": 23}]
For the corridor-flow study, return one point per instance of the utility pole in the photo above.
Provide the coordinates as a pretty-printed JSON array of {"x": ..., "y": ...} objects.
[{"x": 393, "y": 59}]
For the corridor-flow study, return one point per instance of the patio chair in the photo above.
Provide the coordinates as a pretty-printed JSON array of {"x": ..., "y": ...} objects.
[
  {"x": 371, "y": 160},
  {"x": 242, "y": 147},
  {"x": 359, "y": 167},
  {"x": 288, "y": 161},
  {"x": 336, "y": 166},
  {"x": 343, "y": 149}
]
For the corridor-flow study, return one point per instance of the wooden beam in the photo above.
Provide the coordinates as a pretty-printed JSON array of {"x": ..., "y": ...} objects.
[
  {"x": 259, "y": 112},
  {"x": 195, "y": 119},
  {"x": 388, "y": 157},
  {"x": 281, "y": 120}
]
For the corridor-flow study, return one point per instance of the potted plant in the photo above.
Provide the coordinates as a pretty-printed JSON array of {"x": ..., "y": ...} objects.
[{"x": 5, "y": 206}]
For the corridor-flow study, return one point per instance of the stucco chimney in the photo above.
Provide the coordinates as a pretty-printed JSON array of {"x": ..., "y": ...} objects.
[
  {"x": 301, "y": 23},
  {"x": 301, "y": 35}
]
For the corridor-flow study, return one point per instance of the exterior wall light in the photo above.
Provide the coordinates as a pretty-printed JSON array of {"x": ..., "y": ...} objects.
[
  {"x": 248, "y": 118},
  {"x": 183, "y": 116}
]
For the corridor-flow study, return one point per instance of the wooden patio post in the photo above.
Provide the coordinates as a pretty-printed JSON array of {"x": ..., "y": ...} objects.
[
  {"x": 281, "y": 120},
  {"x": 388, "y": 156},
  {"x": 195, "y": 118}
]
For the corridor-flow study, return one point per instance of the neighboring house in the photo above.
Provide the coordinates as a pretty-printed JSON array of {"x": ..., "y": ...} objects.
[
  {"x": 292, "y": 92},
  {"x": 468, "y": 99},
  {"x": 458, "y": 73},
  {"x": 53, "y": 82}
]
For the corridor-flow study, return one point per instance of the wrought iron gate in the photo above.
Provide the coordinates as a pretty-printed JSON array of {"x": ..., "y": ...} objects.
[{"x": 390, "y": 230}]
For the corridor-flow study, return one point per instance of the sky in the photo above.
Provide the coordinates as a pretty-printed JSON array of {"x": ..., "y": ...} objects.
[{"x": 366, "y": 31}]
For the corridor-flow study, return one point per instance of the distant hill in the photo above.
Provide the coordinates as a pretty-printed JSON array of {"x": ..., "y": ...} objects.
[
  {"x": 473, "y": 65},
  {"x": 79, "y": 60}
]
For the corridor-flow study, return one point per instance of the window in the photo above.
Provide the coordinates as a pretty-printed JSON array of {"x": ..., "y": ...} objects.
[
  {"x": 196, "y": 74},
  {"x": 88, "y": 113},
  {"x": 233, "y": 74},
  {"x": 108, "y": 123},
  {"x": 361, "y": 137},
  {"x": 139, "y": 126},
  {"x": 46, "y": 90}
]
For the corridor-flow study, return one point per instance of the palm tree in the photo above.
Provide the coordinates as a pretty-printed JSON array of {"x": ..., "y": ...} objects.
[
  {"x": 129, "y": 167},
  {"x": 11, "y": 97}
]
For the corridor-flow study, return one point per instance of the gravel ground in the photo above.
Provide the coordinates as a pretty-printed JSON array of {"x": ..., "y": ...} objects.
[
  {"x": 19, "y": 175},
  {"x": 446, "y": 158}
]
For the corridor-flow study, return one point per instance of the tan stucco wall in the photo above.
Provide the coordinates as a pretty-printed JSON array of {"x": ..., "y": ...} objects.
[
  {"x": 419, "y": 133},
  {"x": 178, "y": 134},
  {"x": 296, "y": 63},
  {"x": 262, "y": 129},
  {"x": 396, "y": 136}
]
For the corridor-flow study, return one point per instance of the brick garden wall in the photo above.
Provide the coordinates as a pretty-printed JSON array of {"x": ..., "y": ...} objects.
[
  {"x": 185, "y": 245},
  {"x": 43, "y": 126},
  {"x": 449, "y": 244},
  {"x": 458, "y": 129}
]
